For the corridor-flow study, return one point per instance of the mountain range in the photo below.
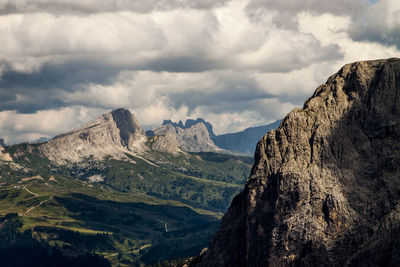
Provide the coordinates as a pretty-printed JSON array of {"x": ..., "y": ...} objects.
[
  {"x": 107, "y": 189},
  {"x": 323, "y": 189},
  {"x": 242, "y": 142}
]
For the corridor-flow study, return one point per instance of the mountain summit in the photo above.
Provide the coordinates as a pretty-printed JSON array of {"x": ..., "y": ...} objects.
[
  {"x": 325, "y": 186},
  {"x": 194, "y": 136},
  {"x": 114, "y": 134}
]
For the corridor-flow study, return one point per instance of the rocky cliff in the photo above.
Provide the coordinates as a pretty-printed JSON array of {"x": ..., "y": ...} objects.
[
  {"x": 112, "y": 134},
  {"x": 189, "y": 123},
  {"x": 174, "y": 138},
  {"x": 325, "y": 186}
]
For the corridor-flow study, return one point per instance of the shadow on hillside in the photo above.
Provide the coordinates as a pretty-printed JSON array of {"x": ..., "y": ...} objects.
[
  {"x": 174, "y": 232},
  {"x": 107, "y": 215}
]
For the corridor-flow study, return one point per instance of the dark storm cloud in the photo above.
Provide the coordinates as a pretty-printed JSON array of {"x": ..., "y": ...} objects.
[
  {"x": 287, "y": 10},
  {"x": 379, "y": 24},
  {"x": 52, "y": 76},
  {"x": 216, "y": 100},
  {"x": 338, "y": 7},
  {"x": 40, "y": 90},
  {"x": 95, "y": 6},
  {"x": 193, "y": 63}
]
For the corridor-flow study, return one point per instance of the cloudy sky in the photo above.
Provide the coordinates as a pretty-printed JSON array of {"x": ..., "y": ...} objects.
[{"x": 236, "y": 63}]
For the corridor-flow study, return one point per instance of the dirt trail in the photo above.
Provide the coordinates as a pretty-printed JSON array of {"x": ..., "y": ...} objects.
[
  {"x": 41, "y": 202},
  {"x": 36, "y": 195}
]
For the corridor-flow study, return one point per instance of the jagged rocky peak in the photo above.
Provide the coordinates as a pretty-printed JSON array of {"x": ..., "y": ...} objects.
[
  {"x": 112, "y": 134},
  {"x": 189, "y": 123},
  {"x": 325, "y": 186},
  {"x": 2, "y": 142},
  {"x": 193, "y": 136}
]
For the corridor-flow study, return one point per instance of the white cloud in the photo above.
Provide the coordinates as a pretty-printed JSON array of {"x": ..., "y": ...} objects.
[
  {"x": 95, "y": 6},
  {"x": 335, "y": 30},
  {"x": 380, "y": 23},
  {"x": 16, "y": 127},
  {"x": 221, "y": 38},
  {"x": 235, "y": 63}
]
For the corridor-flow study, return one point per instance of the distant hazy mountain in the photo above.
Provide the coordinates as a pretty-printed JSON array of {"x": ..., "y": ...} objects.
[
  {"x": 244, "y": 141},
  {"x": 2, "y": 142}
]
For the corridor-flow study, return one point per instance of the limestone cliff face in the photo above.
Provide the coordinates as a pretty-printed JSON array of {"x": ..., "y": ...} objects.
[
  {"x": 112, "y": 134},
  {"x": 325, "y": 186},
  {"x": 173, "y": 139}
]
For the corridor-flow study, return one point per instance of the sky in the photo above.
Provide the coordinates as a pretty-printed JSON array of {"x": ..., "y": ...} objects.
[{"x": 237, "y": 64}]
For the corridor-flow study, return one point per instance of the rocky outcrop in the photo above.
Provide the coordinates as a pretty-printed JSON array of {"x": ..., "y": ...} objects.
[
  {"x": 246, "y": 140},
  {"x": 325, "y": 186},
  {"x": 4, "y": 156},
  {"x": 112, "y": 134},
  {"x": 173, "y": 138},
  {"x": 189, "y": 123}
]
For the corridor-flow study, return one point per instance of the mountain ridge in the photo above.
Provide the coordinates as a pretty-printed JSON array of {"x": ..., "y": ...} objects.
[
  {"x": 112, "y": 134},
  {"x": 324, "y": 189},
  {"x": 240, "y": 142}
]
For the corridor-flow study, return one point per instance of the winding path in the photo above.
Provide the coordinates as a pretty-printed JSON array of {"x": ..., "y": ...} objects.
[
  {"x": 35, "y": 195},
  {"x": 41, "y": 202}
]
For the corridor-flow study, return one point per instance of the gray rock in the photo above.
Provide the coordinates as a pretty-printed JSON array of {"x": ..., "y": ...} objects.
[
  {"x": 325, "y": 186},
  {"x": 189, "y": 123},
  {"x": 113, "y": 134},
  {"x": 4, "y": 156},
  {"x": 172, "y": 138}
]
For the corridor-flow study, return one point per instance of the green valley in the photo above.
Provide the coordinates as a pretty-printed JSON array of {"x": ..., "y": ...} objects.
[{"x": 132, "y": 212}]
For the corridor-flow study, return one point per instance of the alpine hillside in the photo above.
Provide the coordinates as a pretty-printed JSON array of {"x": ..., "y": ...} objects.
[{"x": 107, "y": 193}]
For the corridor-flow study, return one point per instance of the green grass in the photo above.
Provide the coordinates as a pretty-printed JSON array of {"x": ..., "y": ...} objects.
[{"x": 189, "y": 192}]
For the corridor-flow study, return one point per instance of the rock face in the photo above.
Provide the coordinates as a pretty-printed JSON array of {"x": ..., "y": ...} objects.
[
  {"x": 244, "y": 141},
  {"x": 325, "y": 186},
  {"x": 174, "y": 138},
  {"x": 189, "y": 123},
  {"x": 112, "y": 134}
]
